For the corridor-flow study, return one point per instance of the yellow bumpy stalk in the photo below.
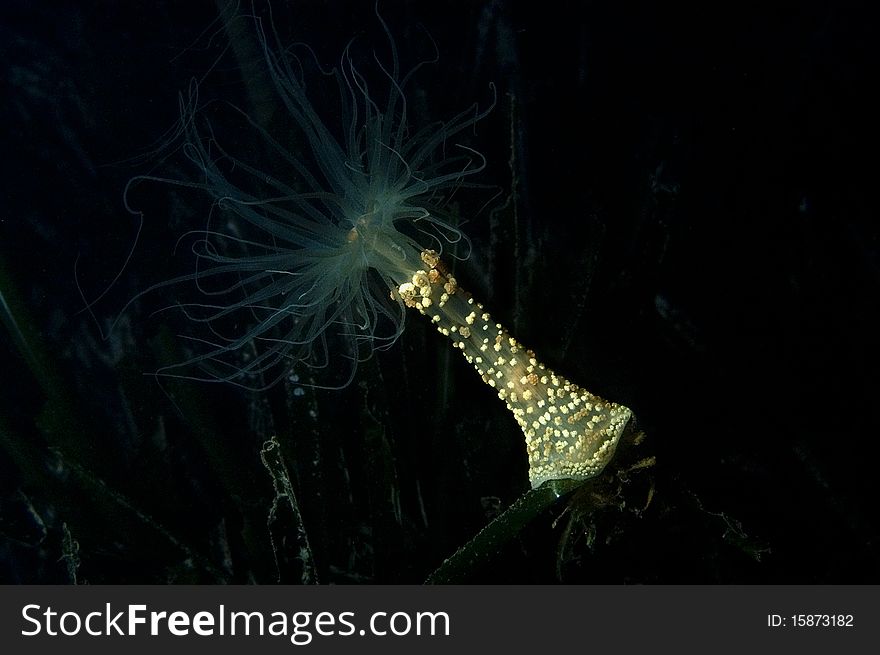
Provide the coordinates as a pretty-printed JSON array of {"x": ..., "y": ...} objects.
[{"x": 570, "y": 433}]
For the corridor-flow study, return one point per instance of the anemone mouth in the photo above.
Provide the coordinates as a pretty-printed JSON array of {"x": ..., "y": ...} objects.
[{"x": 313, "y": 225}]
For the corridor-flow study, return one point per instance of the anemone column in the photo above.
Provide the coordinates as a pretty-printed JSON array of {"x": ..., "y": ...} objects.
[{"x": 569, "y": 432}]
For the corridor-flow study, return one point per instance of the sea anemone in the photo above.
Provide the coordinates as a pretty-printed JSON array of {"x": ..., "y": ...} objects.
[{"x": 316, "y": 255}]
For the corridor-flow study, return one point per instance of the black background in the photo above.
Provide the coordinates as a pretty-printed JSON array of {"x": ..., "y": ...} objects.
[{"x": 694, "y": 237}]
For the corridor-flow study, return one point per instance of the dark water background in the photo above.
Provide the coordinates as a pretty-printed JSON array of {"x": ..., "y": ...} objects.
[{"x": 687, "y": 225}]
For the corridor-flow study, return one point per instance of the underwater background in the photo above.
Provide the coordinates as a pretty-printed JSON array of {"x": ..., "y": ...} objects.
[{"x": 679, "y": 215}]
